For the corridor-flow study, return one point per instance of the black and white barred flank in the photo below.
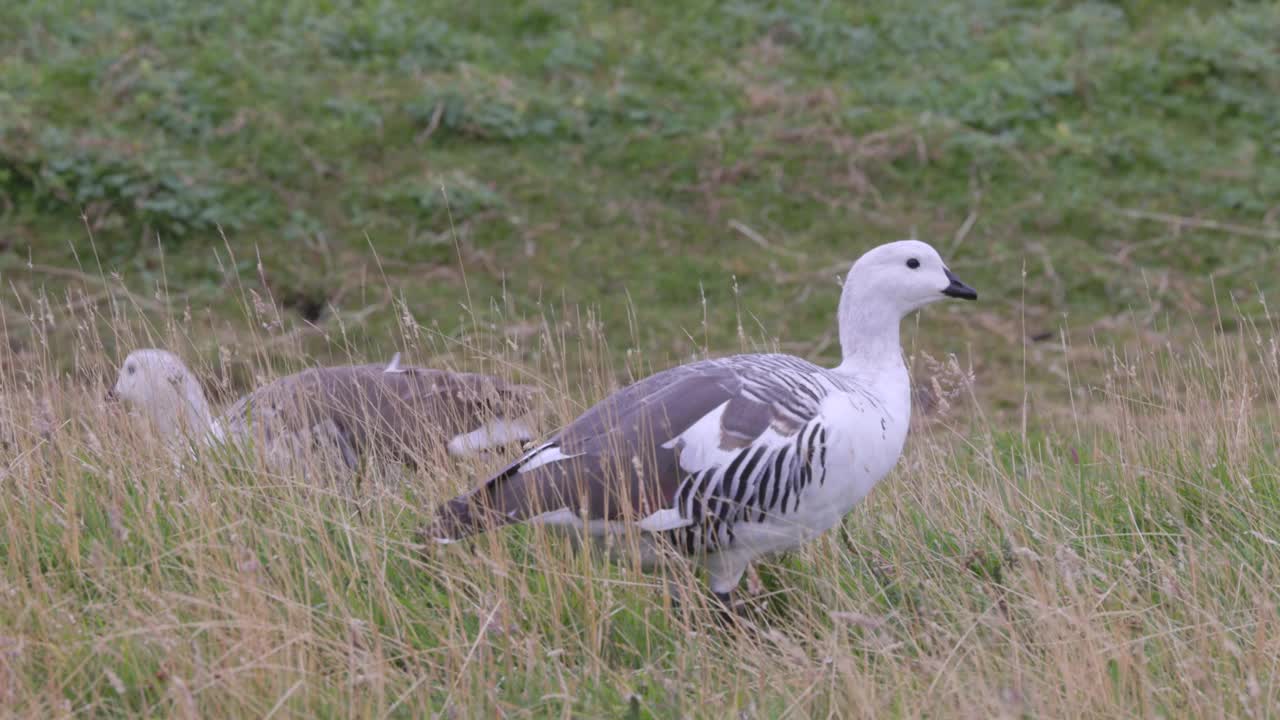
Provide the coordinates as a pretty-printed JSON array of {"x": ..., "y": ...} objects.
[{"x": 759, "y": 483}]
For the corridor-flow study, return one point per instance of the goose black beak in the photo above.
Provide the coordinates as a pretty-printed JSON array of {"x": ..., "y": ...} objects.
[
  {"x": 958, "y": 289},
  {"x": 111, "y": 396}
]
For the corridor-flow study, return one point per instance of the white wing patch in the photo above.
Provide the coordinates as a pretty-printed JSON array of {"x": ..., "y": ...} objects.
[
  {"x": 216, "y": 433},
  {"x": 669, "y": 519},
  {"x": 393, "y": 367},
  {"x": 699, "y": 445},
  {"x": 542, "y": 456},
  {"x": 490, "y": 435}
]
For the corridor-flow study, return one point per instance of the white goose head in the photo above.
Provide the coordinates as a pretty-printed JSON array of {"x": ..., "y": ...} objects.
[
  {"x": 158, "y": 384},
  {"x": 907, "y": 275},
  {"x": 885, "y": 285}
]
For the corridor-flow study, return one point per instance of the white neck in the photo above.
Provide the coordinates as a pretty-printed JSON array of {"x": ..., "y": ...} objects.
[
  {"x": 870, "y": 341},
  {"x": 182, "y": 412}
]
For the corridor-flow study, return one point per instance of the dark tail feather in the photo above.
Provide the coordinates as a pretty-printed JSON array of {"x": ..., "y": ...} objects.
[
  {"x": 488, "y": 507},
  {"x": 460, "y": 518}
]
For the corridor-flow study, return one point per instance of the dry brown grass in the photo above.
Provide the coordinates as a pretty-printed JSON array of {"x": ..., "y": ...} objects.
[{"x": 1118, "y": 562}]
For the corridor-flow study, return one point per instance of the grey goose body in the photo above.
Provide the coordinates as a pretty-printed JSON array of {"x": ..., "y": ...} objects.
[{"x": 341, "y": 414}]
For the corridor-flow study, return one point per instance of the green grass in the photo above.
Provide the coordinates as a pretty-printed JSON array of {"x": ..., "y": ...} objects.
[
  {"x": 1121, "y": 563},
  {"x": 579, "y": 193},
  {"x": 567, "y": 152}
]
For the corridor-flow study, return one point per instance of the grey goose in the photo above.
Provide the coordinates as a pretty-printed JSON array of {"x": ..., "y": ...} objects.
[{"x": 344, "y": 412}]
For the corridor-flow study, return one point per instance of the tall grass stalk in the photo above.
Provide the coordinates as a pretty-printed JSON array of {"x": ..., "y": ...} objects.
[{"x": 1119, "y": 561}]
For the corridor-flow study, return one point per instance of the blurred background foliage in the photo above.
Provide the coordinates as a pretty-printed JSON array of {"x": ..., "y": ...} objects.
[{"x": 698, "y": 173}]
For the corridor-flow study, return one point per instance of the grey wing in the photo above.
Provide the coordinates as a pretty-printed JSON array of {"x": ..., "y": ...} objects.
[
  {"x": 419, "y": 403},
  {"x": 285, "y": 421},
  {"x": 358, "y": 408},
  {"x": 623, "y": 457}
]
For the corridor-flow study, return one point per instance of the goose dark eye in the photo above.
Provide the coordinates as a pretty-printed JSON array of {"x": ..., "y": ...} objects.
[
  {"x": 131, "y": 369},
  {"x": 913, "y": 263}
]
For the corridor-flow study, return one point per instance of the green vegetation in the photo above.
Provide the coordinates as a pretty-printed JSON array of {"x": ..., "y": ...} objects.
[
  {"x": 578, "y": 192},
  {"x": 563, "y": 153},
  {"x": 1123, "y": 564}
]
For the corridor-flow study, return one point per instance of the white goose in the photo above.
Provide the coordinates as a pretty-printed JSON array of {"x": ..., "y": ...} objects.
[
  {"x": 340, "y": 413},
  {"x": 734, "y": 458}
]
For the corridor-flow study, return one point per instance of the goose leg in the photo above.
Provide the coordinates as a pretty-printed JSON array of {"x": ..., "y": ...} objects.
[
  {"x": 726, "y": 570},
  {"x": 675, "y": 594}
]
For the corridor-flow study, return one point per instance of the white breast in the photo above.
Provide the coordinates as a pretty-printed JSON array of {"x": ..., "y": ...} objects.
[{"x": 864, "y": 440}]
